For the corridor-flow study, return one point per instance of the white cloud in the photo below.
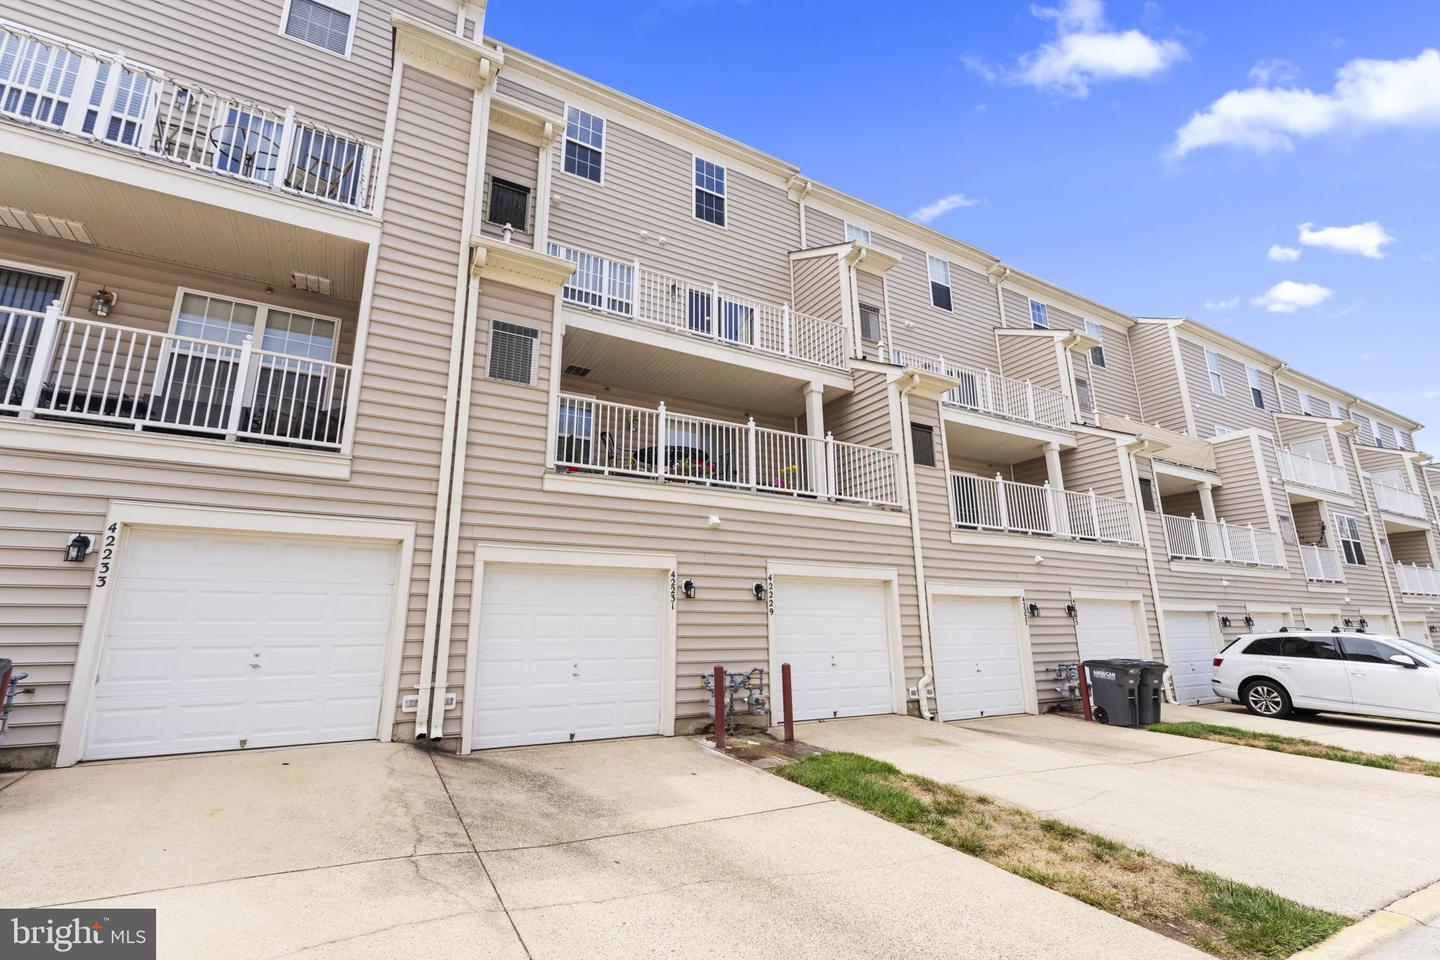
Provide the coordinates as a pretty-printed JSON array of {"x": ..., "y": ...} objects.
[
  {"x": 1229, "y": 303},
  {"x": 1267, "y": 72},
  {"x": 1366, "y": 239},
  {"x": 1085, "y": 51},
  {"x": 1287, "y": 296},
  {"x": 1368, "y": 95},
  {"x": 1283, "y": 254},
  {"x": 944, "y": 205}
]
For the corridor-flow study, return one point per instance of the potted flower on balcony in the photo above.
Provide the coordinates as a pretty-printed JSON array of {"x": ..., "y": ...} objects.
[
  {"x": 693, "y": 468},
  {"x": 789, "y": 478}
]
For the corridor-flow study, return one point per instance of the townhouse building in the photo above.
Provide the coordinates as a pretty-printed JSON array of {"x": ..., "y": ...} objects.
[{"x": 364, "y": 377}]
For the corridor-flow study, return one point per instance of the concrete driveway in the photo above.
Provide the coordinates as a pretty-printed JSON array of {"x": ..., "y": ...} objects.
[
  {"x": 1367, "y": 734},
  {"x": 633, "y": 848},
  {"x": 1333, "y": 835}
]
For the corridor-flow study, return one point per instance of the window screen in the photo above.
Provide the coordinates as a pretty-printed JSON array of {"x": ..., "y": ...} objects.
[
  {"x": 922, "y": 438},
  {"x": 321, "y": 24},
  {"x": 1097, "y": 354},
  {"x": 870, "y": 322},
  {"x": 512, "y": 352},
  {"x": 509, "y": 204}
]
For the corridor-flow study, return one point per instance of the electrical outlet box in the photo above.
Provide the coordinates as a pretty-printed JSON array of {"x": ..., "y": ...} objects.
[
  {"x": 450, "y": 701},
  {"x": 409, "y": 703}
]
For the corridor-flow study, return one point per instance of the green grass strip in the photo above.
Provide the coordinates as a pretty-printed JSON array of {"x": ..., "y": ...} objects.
[
  {"x": 1297, "y": 746},
  {"x": 1226, "y": 919}
]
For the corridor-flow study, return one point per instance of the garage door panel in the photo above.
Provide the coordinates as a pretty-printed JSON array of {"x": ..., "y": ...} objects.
[
  {"x": 835, "y": 635},
  {"x": 1190, "y": 637},
  {"x": 978, "y": 665},
  {"x": 1108, "y": 629},
  {"x": 221, "y": 639}
]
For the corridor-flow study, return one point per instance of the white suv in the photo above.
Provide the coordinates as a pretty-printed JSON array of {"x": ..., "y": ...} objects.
[{"x": 1276, "y": 674}]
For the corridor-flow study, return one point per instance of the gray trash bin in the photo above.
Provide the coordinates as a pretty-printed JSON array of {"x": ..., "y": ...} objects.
[
  {"x": 1115, "y": 691},
  {"x": 1152, "y": 690}
]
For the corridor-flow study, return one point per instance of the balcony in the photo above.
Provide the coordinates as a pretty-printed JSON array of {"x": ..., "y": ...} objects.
[
  {"x": 1309, "y": 472},
  {"x": 994, "y": 394},
  {"x": 1322, "y": 564},
  {"x": 58, "y": 368},
  {"x": 112, "y": 101},
  {"x": 1398, "y": 501},
  {"x": 983, "y": 503},
  {"x": 620, "y": 440},
  {"x": 1190, "y": 538},
  {"x": 1418, "y": 581},
  {"x": 701, "y": 310}
]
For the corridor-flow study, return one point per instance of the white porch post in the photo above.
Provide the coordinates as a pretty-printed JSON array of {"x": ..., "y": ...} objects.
[
  {"x": 40, "y": 363},
  {"x": 815, "y": 430},
  {"x": 1055, "y": 480},
  {"x": 1207, "y": 502}
]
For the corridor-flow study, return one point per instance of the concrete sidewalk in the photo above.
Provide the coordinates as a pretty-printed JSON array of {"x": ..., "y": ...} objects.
[
  {"x": 1327, "y": 834},
  {"x": 1366, "y": 734},
  {"x": 627, "y": 849}
]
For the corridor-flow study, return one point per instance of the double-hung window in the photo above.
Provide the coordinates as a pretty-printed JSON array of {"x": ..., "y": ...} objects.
[
  {"x": 1039, "y": 315},
  {"x": 870, "y": 322},
  {"x": 1212, "y": 363},
  {"x": 1257, "y": 396},
  {"x": 1097, "y": 354},
  {"x": 1348, "y": 531},
  {"x": 584, "y": 144},
  {"x": 939, "y": 282},
  {"x": 709, "y": 192},
  {"x": 854, "y": 234},
  {"x": 327, "y": 24}
]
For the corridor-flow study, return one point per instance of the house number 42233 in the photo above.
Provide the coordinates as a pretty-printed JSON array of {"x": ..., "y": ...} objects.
[{"x": 107, "y": 554}]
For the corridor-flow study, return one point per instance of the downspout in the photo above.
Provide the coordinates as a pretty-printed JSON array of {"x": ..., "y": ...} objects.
[
  {"x": 433, "y": 627},
  {"x": 1130, "y": 451},
  {"x": 913, "y": 502},
  {"x": 1387, "y": 567}
]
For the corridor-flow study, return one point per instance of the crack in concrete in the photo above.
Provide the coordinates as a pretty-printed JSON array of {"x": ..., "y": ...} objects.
[
  {"x": 1097, "y": 763},
  {"x": 368, "y": 933},
  {"x": 23, "y": 775}
]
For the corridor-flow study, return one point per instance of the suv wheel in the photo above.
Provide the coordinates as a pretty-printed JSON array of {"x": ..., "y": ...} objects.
[{"x": 1266, "y": 698}]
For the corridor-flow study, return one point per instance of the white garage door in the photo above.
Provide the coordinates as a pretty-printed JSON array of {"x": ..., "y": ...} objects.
[
  {"x": 219, "y": 641},
  {"x": 1191, "y": 642},
  {"x": 1107, "y": 629},
  {"x": 567, "y": 653},
  {"x": 978, "y": 669},
  {"x": 1414, "y": 628},
  {"x": 1267, "y": 621},
  {"x": 1321, "y": 622},
  {"x": 836, "y": 638},
  {"x": 1379, "y": 623}
]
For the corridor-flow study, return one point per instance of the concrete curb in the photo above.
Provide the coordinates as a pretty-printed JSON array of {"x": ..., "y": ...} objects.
[{"x": 1421, "y": 908}]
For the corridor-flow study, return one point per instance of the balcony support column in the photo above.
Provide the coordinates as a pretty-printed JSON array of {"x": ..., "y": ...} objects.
[
  {"x": 815, "y": 430},
  {"x": 1055, "y": 483},
  {"x": 1207, "y": 502}
]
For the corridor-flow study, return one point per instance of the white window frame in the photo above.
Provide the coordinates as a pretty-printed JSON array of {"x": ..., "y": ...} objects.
[
  {"x": 930, "y": 263},
  {"x": 855, "y": 233},
  {"x": 1097, "y": 354},
  {"x": 602, "y": 149},
  {"x": 1342, "y": 537},
  {"x": 1257, "y": 392},
  {"x": 336, "y": 5},
  {"x": 723, "y": 195},
  {"x": 1044, "y": 313},
  {"x": 1212, "y": 366}
]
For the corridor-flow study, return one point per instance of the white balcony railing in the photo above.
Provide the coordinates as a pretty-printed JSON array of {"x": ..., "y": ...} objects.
[
  {"x": 1395, "y": 500},
  {"x": 994, "y": 394},
  {"x": 106, "y": 98},
  {"x": 59, "y": 368},
  {"x": 620, "y": 440},
  {"x": 701, "y": 309},
  {"x": 1418, "y": 581},
  {"x": 983, "y": 503},
  {"x": 1322, "y": 564},
  {"x": 1310, "y": 472},
  {"x": 1190, "y": 538}
]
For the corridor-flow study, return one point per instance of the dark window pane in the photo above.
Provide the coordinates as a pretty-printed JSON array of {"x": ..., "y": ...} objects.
[
  {"x": 940, "y": 295},
  {"x": 1258, "y": 397},
  {"x": 509, "y": 204},
  {"x": 869, "y": 322},
  {"x": 1264, "y": 647},
  {"x": 1147, "y": 494},
  {"x": 1309, "y": 648},
  {"x": 710, "y": 208},
  {"x": 922, "y": 437},
  {"x": 1097, "y": 356},
  {"x": 1367, "y": 651},
  {"x": 582, "y": 161}
]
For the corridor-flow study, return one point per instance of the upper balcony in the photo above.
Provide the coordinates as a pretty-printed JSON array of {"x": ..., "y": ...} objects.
[
  {"x": 1322, "y": 564},
  {"x": 995, "y": 395},
  {"x": 1403, "y": 509},
  {"x": 62, "y": 369},
  {"x": 658, "y": 444},
  {"x": 1309, "y": 472},
  {"x": 1418, "y": 581},
  {"x": 116, "y": 103},
  {"x": 1004, "y": 506},
  {"x": 702, "y": 310},
  {"x": 1190, "y": 538}
]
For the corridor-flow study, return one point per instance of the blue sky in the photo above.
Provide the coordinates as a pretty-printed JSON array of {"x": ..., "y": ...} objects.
[{"x": 1067, "y": 130}]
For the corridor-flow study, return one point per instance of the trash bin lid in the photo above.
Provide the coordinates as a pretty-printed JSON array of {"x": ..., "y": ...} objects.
[{"x": 1115, "y": 664}]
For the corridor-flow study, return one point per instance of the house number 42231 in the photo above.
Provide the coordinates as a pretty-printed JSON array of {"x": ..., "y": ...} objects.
[{"x": 107, "y": 554}]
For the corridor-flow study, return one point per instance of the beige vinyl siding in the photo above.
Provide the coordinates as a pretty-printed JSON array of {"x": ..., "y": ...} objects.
[
  {"x": 1094, "y": 464},
  {"x": 1032, "y": 358},
  {"x": 237, "y": 49},
  {"x": 1113, "y": 385},
  {"x": 649, "y": 186},
  {"x": 1289, "y": 398},
  {"x": 515, "y": 161},
  {"x": 398, "y": 435},
  {"x": 1156, "y": 377},
  {"x": 870, "y": 290},
  {"x": 1309, "y": 522},
  {"x": 1236, "y": 409},
  {"x": 504, "y": 503},
  {"x": 817, "y": 289},
  {"x": 1410, "y": 548},
  {"x": 962, "y": 334},
  {"x": 1006, "y": 562},
  {"x": 507, "y": 86},
  {"x": 863, "y": 416}
]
